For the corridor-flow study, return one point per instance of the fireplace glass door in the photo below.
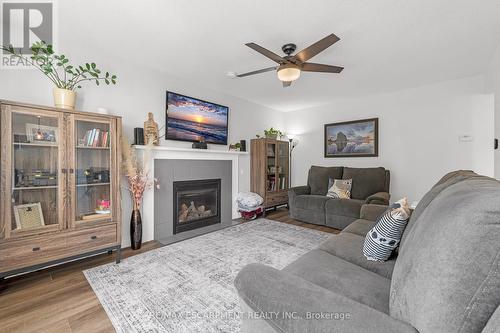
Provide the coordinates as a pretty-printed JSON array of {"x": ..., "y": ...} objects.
[{"x": 196, "y": 204}]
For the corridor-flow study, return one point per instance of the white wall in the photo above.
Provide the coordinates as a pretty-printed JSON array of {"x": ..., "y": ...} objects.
[
  {"x": 419, "y": 128},
  {"x": 138, "y": 92},
  {"x": 493, "y": 86},
  {"x": 418, "y": 134}
]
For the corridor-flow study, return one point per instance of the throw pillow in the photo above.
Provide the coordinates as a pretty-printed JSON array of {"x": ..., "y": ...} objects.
[
  {"x": 386, "y": 234},
  {"x": 341, "y": 189}
]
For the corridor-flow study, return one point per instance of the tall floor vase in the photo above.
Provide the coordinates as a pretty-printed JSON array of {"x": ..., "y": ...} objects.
[{"x": 136, "y": 229}]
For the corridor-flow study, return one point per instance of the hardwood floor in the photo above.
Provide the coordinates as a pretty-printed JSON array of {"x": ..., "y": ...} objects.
[{"x": 59, "y": 299}]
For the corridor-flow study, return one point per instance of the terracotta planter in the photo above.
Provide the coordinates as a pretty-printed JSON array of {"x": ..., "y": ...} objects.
[
  {"x": 136, "y": 230},
  {"x": 64, "y": 98}
]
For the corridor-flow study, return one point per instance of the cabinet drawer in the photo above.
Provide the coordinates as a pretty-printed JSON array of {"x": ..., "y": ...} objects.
[
  {"x": 28, "y": 252},
  {"x": 277, "y": 199},
  {"x": 93, "y": 238}
]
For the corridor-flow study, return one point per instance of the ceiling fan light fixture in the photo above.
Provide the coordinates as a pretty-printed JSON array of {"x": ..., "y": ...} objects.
[{"x": 288, "y": 73}]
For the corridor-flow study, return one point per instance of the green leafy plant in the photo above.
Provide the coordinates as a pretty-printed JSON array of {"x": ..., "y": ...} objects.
[
  {"x": 236, "y": 146},
  {"x": 272, "y": 132},
  {"x": 58, "y": 69}
]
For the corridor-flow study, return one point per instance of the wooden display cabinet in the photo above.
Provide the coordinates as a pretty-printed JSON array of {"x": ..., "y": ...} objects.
[
  {"x": 270, "y": 160},
  {"x": 60, "y": 178}
]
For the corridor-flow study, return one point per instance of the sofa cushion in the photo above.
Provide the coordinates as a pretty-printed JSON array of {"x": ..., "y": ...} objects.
[
  {"x": 309, "y": 208},
  {"x": 447, "y": 276},
  {"x": 456, "y": 173},
  {"x": 344, "y": 207},
  {"x": 344, "y": 278},
  {"x": 493, "y": 323},
  {"x": 311, "y": 202},
  {"x": 319, "y": 176},
  {"x": 372, "y": 212},
  {"x": 338, "y": 221},
  {"x": 360, "y": 227},
  {"x": 285, "y": 300},
  {"x": 349, "y": 247},
  {"x": 445, "y": 182},
  {"x": 365, "y": 181},
  {"x": 308, "y": 215}
]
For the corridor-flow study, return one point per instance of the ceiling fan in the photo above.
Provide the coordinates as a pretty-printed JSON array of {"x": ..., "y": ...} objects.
[{"x": 290, "y": 66}]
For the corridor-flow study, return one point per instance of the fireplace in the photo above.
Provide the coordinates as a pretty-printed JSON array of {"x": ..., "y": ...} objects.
[{"x": 196, "y": 204}]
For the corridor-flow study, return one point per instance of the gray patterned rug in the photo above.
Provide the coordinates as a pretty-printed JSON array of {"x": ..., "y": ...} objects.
[{"x": 188, "y": 286}]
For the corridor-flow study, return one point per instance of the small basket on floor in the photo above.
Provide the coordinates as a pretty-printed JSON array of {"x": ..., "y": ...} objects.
[
  {"x": 249, "y": 205},
  {"x": 251, "y": 215}
]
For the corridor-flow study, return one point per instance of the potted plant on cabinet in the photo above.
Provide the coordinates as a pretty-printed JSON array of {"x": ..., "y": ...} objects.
[
  {"x": 272, "y": 133},
  {"x": 66, "y": 77}
]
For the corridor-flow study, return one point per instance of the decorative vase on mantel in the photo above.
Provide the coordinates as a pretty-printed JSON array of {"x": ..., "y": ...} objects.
[
  {"x": 64, "y": 98},
  {"x": 136, "y": 228}
]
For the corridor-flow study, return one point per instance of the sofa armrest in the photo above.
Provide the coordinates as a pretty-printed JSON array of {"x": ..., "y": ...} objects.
[
  {"x": 372, "y": 212},
  {"x": 299, "y": 190},
  {"x": 379, "y": 198},
  {"x": 289, "y": 303},
  {"x": 295, "y": 191}
]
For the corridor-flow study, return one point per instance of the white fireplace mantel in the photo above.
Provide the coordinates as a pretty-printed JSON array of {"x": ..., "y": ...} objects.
[{"x": 174, "y": 153}]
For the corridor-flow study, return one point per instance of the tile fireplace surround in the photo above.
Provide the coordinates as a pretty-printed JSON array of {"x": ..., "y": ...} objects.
[{"x": 161, "y": 153}]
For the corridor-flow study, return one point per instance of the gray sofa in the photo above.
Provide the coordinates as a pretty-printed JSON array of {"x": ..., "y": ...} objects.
[
  {"x": 310, "y": 204},
  {"x": 446, "y": 277}
]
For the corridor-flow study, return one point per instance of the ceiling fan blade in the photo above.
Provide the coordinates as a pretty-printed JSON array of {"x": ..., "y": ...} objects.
[
  {"x": 316, "y": 48},
  {"x": 257, "y": 72},
  {"x": 265, "y": 52},
  {"x": 287, "y": 84},
  {"x": 311, "y": 67}
]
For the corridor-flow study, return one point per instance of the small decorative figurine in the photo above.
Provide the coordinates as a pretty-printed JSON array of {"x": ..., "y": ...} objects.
[{"x": 151, "y": 133}]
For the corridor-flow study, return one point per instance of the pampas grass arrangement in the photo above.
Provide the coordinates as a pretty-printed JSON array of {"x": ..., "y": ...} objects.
[{"x": 137, "y": 172}]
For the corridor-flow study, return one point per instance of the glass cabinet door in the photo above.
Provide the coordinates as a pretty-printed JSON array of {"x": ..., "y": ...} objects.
[
  {"x": 271, "y": 166},
  {"x": 35, "y": 180},
  {"x": 92, "y": 184},
  {"x": 283, "y": 167}
]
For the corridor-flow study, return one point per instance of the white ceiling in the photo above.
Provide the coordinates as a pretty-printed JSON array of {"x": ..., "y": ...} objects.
[{"x": 385, "y": 45}]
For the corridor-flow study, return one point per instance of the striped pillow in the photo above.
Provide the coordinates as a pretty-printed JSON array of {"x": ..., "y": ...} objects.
[{"x": 386, "y": 234}]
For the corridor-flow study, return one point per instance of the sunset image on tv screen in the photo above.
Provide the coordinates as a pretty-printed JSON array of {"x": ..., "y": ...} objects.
[{"x": 190, "y": 119}]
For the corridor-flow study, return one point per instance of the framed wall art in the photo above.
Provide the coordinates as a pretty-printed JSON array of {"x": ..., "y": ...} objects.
[{"x": 358, "y": 138}]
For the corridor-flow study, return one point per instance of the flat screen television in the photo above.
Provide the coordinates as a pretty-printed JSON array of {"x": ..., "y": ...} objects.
[{"x": 194, "y": 120}]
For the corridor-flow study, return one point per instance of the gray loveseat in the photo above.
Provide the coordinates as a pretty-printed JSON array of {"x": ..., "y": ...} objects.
[
  {"x": 446, "y": 277},
  {"x": 310, "y": 204}
]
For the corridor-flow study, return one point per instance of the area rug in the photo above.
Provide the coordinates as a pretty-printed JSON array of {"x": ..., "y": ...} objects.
[{"x": 188, "y": 286}]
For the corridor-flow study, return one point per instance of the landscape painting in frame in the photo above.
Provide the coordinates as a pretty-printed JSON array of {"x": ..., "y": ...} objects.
[
  {"x": 195, "y": 120},
  {"x": 357, "y": 138}
]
